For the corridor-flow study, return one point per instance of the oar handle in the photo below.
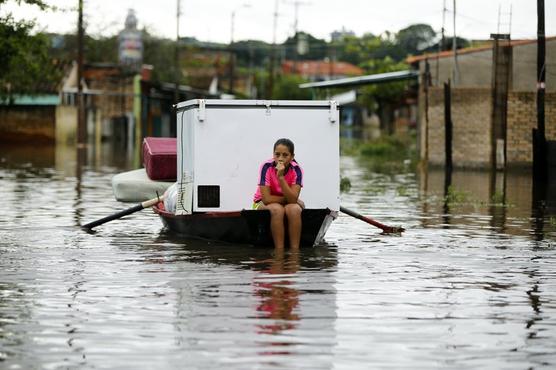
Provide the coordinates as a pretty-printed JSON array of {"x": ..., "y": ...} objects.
[
  {"x": 125, "y": 212},
  {"x": 115, "y": 216},
  {"x": 385, "y": 228}
]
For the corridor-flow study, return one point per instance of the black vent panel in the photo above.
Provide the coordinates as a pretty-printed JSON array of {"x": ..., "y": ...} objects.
[{"x": 208, "y": 196}]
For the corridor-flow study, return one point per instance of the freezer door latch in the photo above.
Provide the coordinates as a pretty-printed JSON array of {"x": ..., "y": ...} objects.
[
  {"x": 333, "y": 111},
  {"x": 202, "y": 110}
]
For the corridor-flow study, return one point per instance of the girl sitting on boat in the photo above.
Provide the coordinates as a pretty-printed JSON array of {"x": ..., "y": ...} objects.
[{"x": 280, "y": 182}]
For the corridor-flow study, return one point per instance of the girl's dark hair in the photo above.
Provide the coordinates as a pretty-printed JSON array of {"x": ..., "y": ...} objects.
[{"x": 286, "y": 142}]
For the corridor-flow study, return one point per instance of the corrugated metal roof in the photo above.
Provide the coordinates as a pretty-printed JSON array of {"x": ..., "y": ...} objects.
[{"x": 364, "y": 80}]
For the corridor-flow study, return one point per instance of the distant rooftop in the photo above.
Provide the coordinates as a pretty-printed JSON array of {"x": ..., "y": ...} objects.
[
  {"x": 449, "y": 53},
  {"x": 320, "y": 68}
]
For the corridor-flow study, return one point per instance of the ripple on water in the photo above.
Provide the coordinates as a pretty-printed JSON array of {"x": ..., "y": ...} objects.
[{"x": 459, "y": 289}]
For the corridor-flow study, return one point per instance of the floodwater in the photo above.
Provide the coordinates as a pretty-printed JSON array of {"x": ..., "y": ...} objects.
[{"x": 470, "y": 284}]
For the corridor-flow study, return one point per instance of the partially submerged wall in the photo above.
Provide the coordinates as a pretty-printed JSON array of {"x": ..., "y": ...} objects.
[
  {"x": 472, "y": 117},
  {"x": 522, "y": 118},
  {"x": 66, "y": 124},
  {"x": 34, "y": 123}
]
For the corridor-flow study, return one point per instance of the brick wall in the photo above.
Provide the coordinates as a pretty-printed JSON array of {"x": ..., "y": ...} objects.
[
  {"x": 26, "y": 123},
  {"x": 522, "y": 118},
  {"x": 471, "y": 117}
]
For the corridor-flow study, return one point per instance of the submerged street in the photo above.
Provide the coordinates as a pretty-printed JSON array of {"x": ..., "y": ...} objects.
[
  {"x": 469, "y": 284},
  {"x": 431, "y": 134}
]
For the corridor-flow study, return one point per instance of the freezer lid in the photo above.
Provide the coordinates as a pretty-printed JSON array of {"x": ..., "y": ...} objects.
[{"x": 222, "y": 103}]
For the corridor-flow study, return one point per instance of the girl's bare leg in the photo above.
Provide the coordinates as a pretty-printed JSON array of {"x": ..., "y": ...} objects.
[
  {"x": 293, "y": 213},
  {"x": 276, "y": 223}
]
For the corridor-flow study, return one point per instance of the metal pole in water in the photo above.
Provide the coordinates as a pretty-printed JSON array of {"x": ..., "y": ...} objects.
[
  {"x": 539, "y": 150},
  {"x": 81, "y": 124}
]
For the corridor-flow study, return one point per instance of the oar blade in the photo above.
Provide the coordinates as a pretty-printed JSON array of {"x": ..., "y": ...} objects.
[
  {"x": 393, "y": 230},
  {"x": 386, "y": 229}
]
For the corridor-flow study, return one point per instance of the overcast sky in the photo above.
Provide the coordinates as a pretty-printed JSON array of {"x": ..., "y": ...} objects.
[{"x": 210, "y": 20}]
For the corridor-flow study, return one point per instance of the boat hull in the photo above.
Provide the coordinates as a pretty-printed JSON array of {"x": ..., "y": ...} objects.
[{"x": 246, "y": 226}]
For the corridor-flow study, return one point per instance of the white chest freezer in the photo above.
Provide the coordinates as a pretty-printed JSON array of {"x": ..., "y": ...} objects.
[{"x": 222, "y": 143}]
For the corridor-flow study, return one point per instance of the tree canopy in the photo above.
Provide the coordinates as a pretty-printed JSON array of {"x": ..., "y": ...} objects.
[
  {"x": 27, "y": 67},
  {"x": 43, "y": 5}
]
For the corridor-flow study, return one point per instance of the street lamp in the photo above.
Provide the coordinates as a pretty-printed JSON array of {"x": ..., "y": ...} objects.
[{"x": 232, "y": 55}]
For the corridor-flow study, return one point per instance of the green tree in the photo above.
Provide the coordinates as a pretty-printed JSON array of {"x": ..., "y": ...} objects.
[
  {"x": 160, "y": 53},
  {"x": 415, "y": 39},
  {"x": 96, "y": 49},
  {"x": 317, "y": 49},
  {"x": 43, "y": 5},
  {"x": 287, "y": 87},
  {"x": 383, "y": 98},
  {"x": 447, "y": 45},
  {"x": 26, "y": 66},
  {"x": 252, "y": 52},
  {"x": 356, "y": 50}
]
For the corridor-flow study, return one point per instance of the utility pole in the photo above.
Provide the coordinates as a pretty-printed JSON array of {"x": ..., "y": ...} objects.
[
  {"x": 539, "y": 137},
  {"x": 448, "y": 136},
  {"x": 296, "y": 5},
  {"x": 426, "y": 86},
  {"x": 270, "y": 86},
  {"x": 81, "y": 123},
  {"x": 232, "y": 52},
  {"x": 455, "y": 50},
  {"x": 177, "y": 55},
  {"x": 441, "y": 44}
]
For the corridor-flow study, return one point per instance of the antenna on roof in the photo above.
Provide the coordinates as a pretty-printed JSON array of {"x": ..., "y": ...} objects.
[{"x": 507, "y": 23}]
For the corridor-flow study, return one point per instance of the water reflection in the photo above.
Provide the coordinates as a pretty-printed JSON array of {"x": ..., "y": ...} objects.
[
  {"x": 278, "y": 296},
  {"x": 505, "y": 198},
  {"x": 239, "y": 300},
  {"x": 14, "y": 306},
  {"x": 30, "y": 157},
  {"x": 470, "y": 286}
]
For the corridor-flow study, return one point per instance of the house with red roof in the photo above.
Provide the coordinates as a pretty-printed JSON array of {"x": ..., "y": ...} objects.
[{"x": 320, "y": 70}]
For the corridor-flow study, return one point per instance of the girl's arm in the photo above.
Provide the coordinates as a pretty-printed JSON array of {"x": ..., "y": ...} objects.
[
  {"x": 267, "y": 198},
  {"x": 291, "y": 192}
]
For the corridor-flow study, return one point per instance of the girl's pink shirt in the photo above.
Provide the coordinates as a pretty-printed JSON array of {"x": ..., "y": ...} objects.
[{"x": 268, "y": 177}]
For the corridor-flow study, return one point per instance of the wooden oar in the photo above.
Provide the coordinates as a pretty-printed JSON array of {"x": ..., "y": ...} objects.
[
  {"x": 125, "y": 212},
  {"x": 385, "y": 228}
]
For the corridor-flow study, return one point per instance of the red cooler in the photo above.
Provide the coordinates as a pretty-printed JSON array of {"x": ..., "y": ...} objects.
[{"x": 160, "y": 157}]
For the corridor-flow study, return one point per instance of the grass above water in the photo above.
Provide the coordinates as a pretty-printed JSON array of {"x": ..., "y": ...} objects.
[
  {"x": 386, "y": 154},
  {"x": 391, "y": 155}
]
